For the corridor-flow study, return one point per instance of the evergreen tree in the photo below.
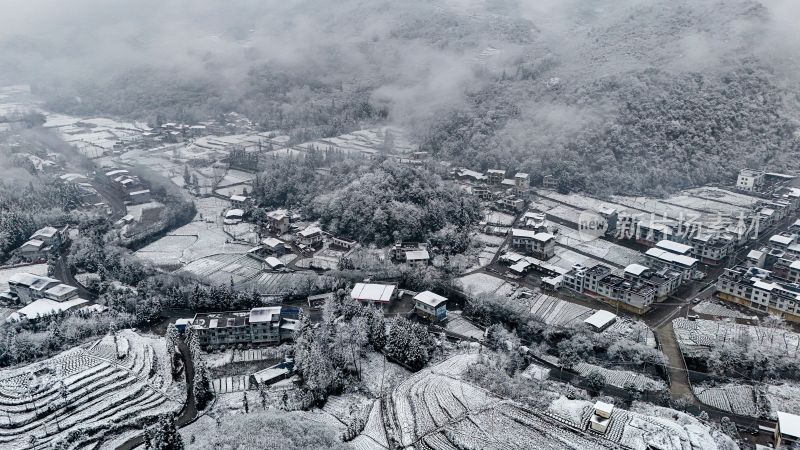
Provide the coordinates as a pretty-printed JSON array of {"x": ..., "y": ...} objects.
[{"x": 164, "y": 435}]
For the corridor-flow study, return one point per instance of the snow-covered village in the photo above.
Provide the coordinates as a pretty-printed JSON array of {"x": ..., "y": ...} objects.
[{"x": 444, "y": 225}]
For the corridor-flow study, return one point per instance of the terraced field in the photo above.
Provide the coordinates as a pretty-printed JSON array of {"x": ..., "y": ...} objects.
[{"x": 90, "y": 389}]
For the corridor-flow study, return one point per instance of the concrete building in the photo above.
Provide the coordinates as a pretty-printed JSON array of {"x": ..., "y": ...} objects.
[
  {"x": 278, "y": 221},
  {"x": 541, "y": 245},
  {"x": 787, "y": 430},
  {"x": 665, "y": 281},
  {"x": 430, "y": 306},
  {"x": 240, "y": 328},
  {"x": 418, "y": 258},
  {"x": 26, "y": 287},
  {"x": 600, "y": 281},
  {"x": 686, "y": 265},
  {"x": 495, "y": 176},
  {"x": 522, "y": 183},
  {"x": 750, "y": 180},
  {"x": 760, "y": 290},
  {"x": 310, "y": 236}
]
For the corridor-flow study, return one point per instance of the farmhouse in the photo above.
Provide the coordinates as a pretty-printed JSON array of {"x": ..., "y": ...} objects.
[
  {"x": 140, "y": 196},
  {"x": 750, "y": 180},
  {"x": 664, "y": 281},
  {"x": 539, "y": 244},
  {"x": 343, "y": 243},
  {"x": 278, "y": 221},
  {"x": 522, "y": 182},
  {"x": 417, "y": 258},
  {"x": 33, "y": 249},
  {"x": 240, "y": 328},
  {"x": 274, "y": 246},
  {"x": 310, "y": 236},
  {"x": 674, "y": 247},
  {"x": 430, "y": 306},
  {"x": 400, "y": 250},
  {"x": 27, "y": 287},
  {"x": 233, "y": 216},
  {"x": 600, "y": 320},
  {"x": 48, "y": 235},
  {"x": 239, "y": 201},
  {"x": 374, "y": 294}
]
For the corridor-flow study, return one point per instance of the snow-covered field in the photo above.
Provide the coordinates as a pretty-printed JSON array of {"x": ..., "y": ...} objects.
[
  {"x": 622, "y": 378},
  {"x": 556, "y": 312},
  {"x": 101, "y": 389},
  {"x": 698, "y": 336},
  {"x": 566, "y": 258},
  {"x": 189, "y": 243},
  {"x": 481, "y": 283},
  {"x": 457, "y": 324},
  {"x": 712, "y": 308},
  {"x": 736, "y": 398},
  {"x": 644, "y": 427}
]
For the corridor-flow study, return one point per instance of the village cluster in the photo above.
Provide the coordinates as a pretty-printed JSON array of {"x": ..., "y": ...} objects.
[{"x": 682, "y": 276}]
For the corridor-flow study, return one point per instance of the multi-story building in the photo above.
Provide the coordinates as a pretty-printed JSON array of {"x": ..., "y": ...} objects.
[
  {"x": 600, "y": 281},
  {"x": 664, "y": 281},
  {"x": 758, "y": 289},
  {"x": 750, "y": 180},
  {"x": 522, "y": 182},
  {"x": 495, "y": 176},
  {"x": 685, "y": 265},
  {"x": 541, "y": 245},
  {"x": 310, "y": 236},
  {"x": 257, "y": 326},
  {"x": 418, "y": 258},
  {"x": 26, "y": 287},
  {"x": 712, "y": 249},
  {"x": 278, "y": 221}
]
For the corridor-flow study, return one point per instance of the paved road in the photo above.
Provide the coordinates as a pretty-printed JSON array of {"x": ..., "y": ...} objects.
[{"x": 189, "y": 411}]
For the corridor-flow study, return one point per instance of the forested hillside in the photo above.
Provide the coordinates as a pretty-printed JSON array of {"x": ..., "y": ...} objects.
[{"x": 628, "y": 96}]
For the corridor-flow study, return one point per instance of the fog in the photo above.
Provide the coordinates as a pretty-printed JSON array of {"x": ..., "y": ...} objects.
[{"x": 419, "y": 58}]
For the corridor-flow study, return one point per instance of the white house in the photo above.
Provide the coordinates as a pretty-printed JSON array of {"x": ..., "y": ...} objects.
[
  {"x": 373, "y": 293},
  {"x": 430, "y": 306}
]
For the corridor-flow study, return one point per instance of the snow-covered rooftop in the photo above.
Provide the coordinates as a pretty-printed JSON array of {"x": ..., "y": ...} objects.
[
  {"x": 789, "y": 424},
  {"x": 265, "y": 314},
  {"x": 417, "y": 255},
  {"x": 674, "y": 247},
  {"x": 600, "y": 319},
  {"x": 636, "y": 269},
  {"x": 429, "y": 298},
  {"x": 373, "y": 292}
]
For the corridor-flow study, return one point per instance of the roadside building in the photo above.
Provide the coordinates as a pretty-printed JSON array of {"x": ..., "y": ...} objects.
[
  {"x": 239, "y": 201},
  {"x": 665, "y": 281},
  {"x": 686, "y": 265},
  {"x": 522, "y": 183},
  {"x": 599, "y": 281},
  {"x": 27, "y": 287},
  {"x": 675, "y": 247},
  {"x": 140, "y": 196},
  {"x": 430, "y": 306},
  {"x": 756, "y": 258},
  {"x": 61, "y": 292},
  {"x": 343, "y": 243},
  {"x": 760, "y": 290}
]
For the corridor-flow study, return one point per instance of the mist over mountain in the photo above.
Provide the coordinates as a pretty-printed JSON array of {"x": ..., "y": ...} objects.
[{"x": 608, "y": 96}]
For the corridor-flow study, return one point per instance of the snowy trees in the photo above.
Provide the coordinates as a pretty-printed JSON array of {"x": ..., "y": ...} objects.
[
  {"x": 408, "y": 343},
  {"x": 163, "y": 435},
  {"x": 201, "y": 387}
]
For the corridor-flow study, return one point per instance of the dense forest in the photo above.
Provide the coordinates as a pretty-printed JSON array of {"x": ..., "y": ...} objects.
[
  {"x": 374, "y": 202},
  {"x": 609, "y": 97}
]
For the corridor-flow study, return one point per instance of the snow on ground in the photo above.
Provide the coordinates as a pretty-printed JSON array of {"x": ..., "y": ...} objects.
[
  {"x": 456, "y": 323},
  {"x": 783, "y": 397},
  {"x": 481, "y": 283},
  {"x": 556, "y": 312},
  {"x": 536, "y": 372},
  {"x": 608, "y": 252},
  {"x": 721, "y": 195},
  {"x": 189, "y": 243},
  {"x": 644, "y": 426},
  {"x": 622, "y": 378},
  {"x": 234, "y": 176},
  {"x": 717, "y": 309},
  {"x": 377, "y": 372},
  {"x": 101, "y": 389},
  {"x": 6, "y": 274},
  {"x": 737, "y": 398},
  {"x": 701, "y": 335},
  {"x": 566, "y": 258},
  {"x": 499, "y": 218}
]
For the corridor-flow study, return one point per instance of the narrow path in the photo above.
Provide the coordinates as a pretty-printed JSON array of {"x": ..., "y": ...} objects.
[{"x": 679, "y": 377}]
